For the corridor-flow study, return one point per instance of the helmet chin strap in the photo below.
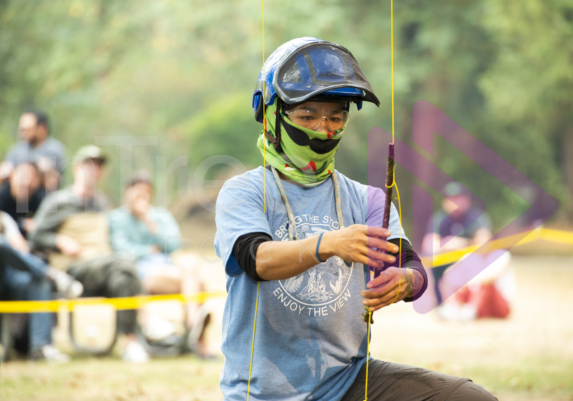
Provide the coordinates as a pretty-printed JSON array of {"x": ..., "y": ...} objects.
[
  {"x": 276, "y": 140},
  {"x": 277, "y": 144}
]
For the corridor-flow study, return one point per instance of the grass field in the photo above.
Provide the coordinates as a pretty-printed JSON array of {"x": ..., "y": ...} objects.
[{"x": 527, "y": 357}]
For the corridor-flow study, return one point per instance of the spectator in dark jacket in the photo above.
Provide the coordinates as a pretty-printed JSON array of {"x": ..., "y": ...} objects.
[{"x": 21, "y": 195}]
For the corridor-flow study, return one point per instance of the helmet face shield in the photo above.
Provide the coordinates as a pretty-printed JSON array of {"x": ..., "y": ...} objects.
[
  {"x": 306, "y": 67},
  {"x": 321, "y": 68}
]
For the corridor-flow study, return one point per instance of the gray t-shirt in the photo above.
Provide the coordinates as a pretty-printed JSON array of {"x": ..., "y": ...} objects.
[
  {"x": 310, "y": 339},
  {"x": 51, "y": 149}
]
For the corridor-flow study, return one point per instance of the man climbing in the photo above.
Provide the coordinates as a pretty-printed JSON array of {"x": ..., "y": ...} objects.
[{"x": 297, "y": 238}]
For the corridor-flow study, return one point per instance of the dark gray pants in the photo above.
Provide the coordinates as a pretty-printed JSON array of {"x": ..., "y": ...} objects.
[
  {"x": 110, "y": 277},
  {"x": 395, "y": 382}
]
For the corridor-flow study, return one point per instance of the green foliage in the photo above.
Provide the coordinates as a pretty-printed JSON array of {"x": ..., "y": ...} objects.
[
  {"x": 225, "y": 128},
  {"x": 184, "y": 71}
]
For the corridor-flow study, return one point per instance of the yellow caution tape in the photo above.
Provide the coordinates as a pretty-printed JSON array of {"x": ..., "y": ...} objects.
[
  {"x": 562, "y": 237},
  {"x": 446, "y": 258},
  {"x": 117, "y": 303}
]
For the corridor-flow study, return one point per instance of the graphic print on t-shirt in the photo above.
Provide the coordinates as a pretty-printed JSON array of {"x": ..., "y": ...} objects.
[{"x": 322, "y": 285}]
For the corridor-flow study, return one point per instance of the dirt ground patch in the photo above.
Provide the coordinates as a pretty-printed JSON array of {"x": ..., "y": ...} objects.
[{"x": 526, "y": 357}]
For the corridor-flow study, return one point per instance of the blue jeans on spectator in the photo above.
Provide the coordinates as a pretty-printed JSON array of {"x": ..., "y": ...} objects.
[{"x": 23, "y": 277}]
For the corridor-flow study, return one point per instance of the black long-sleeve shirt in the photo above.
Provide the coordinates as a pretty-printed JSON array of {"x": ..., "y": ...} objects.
[{"x": 246, "y": 246}]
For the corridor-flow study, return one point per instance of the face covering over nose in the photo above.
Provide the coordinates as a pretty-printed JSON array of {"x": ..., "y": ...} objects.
[{"x": 308, "y": 157}]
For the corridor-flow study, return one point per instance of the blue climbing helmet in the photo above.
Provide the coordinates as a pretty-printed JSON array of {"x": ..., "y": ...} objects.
[{"x": 307, "y": 67}]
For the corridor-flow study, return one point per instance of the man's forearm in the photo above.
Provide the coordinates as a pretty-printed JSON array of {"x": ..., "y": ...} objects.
[
  {"x": 279, "y": 260},
  {"x": 415, "y": 282},
  {"x": 357, "y": 243},
  {"x": 409, "y": 260}
]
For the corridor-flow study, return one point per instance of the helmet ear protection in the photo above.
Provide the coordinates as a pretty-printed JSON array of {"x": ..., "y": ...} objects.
[
  {"x": 258, "y": 107},
  {"x": 304, "y": 68}
]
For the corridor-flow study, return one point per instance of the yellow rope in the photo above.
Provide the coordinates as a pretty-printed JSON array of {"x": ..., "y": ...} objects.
[
  {"x": 399, "y": 283},
  {"x": 393, "y": 184},
  {"x": 253, "y": 342},
  {"x": 400, "y": 246},
  {"x": 367, "y": 354},
  {"x": 264, "y": 201}
]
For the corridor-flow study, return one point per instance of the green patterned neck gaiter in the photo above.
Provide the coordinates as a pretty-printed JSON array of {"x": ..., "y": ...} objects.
[{"x": 308, "y": 157}]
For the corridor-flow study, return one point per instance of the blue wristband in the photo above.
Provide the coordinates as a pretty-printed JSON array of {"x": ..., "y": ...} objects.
[{"x": 317, "y": 245}]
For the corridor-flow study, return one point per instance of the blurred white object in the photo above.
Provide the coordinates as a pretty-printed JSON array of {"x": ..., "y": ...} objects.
[
  {"x": 134, "y": 353},
  {"x": 67, "y": 286},
  {"x": 456, "y": 312},
  {"x": 50, "y": 354},
  {"x": 92, "y": 331},
  {"x": 157, "y": 328}
]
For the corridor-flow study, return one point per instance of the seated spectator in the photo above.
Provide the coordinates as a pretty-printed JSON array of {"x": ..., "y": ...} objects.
[
  {"x": 34, "y": 143},
  {"x": 21, "y": 195},
  {"x": 459, "y": 225},
  {"x": 150, "y": 234},
  {"x": 72, "y": 225},
  {"x": 25, "y": 277}
]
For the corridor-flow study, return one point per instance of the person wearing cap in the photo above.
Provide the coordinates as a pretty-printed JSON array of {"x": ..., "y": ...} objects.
[
  {"x": 459, "y": 225},
  {"x": 297, "y": 239},
  {"x": 72, "y": 226},
  {"x": 36, "y": 144}
]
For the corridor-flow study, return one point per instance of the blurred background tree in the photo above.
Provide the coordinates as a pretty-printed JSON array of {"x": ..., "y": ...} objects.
[{"x": 184, "y": 71}]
